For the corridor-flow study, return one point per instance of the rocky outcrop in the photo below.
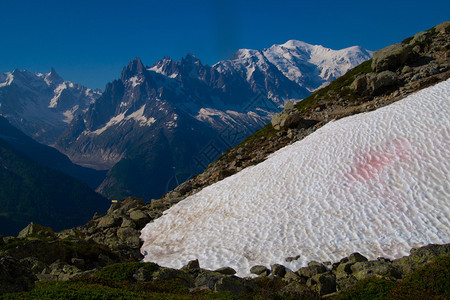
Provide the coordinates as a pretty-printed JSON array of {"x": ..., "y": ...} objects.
[
  {"x": 35, "y": 229},
  {"x": 120, "y": 227},
  {"x": 390, "y": 58},
  {"x": 373, "y": 83},
  {"x": 339, "y": 276},
  {"x": 44, "y": 257},
  {"x": 290, "y": 117}
]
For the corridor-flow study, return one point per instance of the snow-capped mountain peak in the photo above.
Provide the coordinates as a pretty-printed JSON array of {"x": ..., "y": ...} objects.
[
  {"x": 314, "y": 66},
  {"x": 42, "y": 104},
  {"x": 134, "y": 67}
]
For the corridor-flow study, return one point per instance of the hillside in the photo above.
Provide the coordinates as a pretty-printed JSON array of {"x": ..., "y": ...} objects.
[
  {"x": 47, "y": 156},
  {"x": 31, "y": 192}
]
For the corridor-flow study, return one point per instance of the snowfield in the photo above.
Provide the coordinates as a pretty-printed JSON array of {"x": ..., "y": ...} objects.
[{"x": 377, "y": 183}]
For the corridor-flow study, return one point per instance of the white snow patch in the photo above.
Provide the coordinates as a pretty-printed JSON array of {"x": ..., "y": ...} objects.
[
  {"x": 57, "y": 93},
  {"x": 7, "y": 79},
  {"x": 113, "y": 121},
  {"x": 139, "y": 116},
  {"x": 69, "y": 114},
  {"x": 377, "y": 183},
  {"x": 136, "y": 80}
]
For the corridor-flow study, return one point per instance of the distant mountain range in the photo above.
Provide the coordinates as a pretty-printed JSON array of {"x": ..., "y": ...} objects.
[
  {"x": 42, "y": 105},
  {"x": 157, "y": 126}
]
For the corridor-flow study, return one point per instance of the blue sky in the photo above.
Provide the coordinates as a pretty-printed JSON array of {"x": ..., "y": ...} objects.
[{"x": 89, "y": 42}]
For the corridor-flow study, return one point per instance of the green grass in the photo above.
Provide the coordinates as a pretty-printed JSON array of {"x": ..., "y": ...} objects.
[
  {"x": 48, "y": 251},
  {"x": 265, "y": 132},
  {"x": 96, "y": 288},
  {"x": 339, "y": 87},
  {"x": 431, "y": 281},
  {"x": 124, "y": 271},
  {"x": 371, "y": 288}
]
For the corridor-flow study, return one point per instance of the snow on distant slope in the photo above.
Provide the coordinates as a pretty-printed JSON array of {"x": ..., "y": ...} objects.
[
  {"x": 42, "y": 105},
  {"x": 376, "y": 183},
  {"x": 309, "y": 66},
  {"x": 313, "y": 65}
]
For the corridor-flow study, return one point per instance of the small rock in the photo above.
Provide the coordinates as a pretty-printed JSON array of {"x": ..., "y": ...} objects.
[
  {"x": 290, "y": 276},
  {"x": 139, "y": 218},
  {"x": 193, "y": 265},
  {"x": 361, "y": 270},
  {"x": 312, "y": 269},
  {"x": 129, "y": 235},
  {"x": 343, "y": 283},
  {"x": 324, "y": 284},
  {"x": 127, "y": 223},
  {"x": 226, "y": 271},
  {"x": 278, "y": 270},
  {"x": 406, "y": 69},
  {"x": 260, "y": 270},
  {"x": 292, "y": 258},
  {"x": 356, "y": 257},
  {"x": 207, "y": 279},
  {"x": 46, "y": 277},
  {"x": 181, "y": 276},
  {"x": 420, "y": 38},
  {"x": 107, "y": 221}
]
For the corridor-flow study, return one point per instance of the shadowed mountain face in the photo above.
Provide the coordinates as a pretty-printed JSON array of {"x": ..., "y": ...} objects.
[
  {"x": 159, "y": 125},
  {"x": 47, "y": 156},
  {"x": 31, "y": 192}
]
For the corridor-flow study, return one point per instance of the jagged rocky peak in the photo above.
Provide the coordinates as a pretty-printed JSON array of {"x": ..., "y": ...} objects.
[
  {"x": 53, "y": 78},
  {"x": 134, "y": 67},
  {"x": 190, "y": 59},
  {"x": 165, "y": 66}
]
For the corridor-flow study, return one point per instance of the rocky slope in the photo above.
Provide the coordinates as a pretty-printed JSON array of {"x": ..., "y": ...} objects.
[{"x": 85, "y": 265}]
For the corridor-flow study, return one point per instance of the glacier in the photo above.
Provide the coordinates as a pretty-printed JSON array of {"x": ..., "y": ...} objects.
[{"x": 375, "y": 183}]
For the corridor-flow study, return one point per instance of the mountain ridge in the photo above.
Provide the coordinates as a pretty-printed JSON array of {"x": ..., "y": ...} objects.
[
  {"x": 224, "y": 100},
  {"x": 42, "y": 105}
]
